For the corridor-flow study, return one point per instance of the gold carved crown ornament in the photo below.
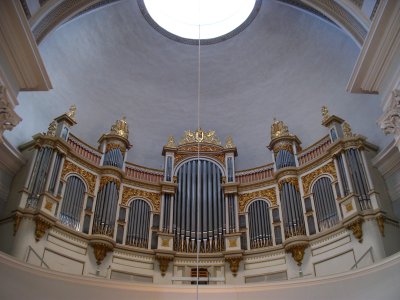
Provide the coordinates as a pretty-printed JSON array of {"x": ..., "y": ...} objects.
[
  {"x": 120, "y": 128},
  {"x": 200, "y": 136},
  {"x": 279, "y": 129},
  {"x": 72, "y": 112}
]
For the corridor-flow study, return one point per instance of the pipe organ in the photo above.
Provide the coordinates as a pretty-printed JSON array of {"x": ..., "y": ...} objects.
[{"x": 198, "y": 203}]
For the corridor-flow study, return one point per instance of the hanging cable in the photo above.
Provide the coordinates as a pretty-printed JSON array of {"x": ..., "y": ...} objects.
[{"x": 197, "y": 236}]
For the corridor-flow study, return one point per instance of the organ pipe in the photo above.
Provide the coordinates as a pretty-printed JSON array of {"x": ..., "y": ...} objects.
[{"x": 199, "y": 195}]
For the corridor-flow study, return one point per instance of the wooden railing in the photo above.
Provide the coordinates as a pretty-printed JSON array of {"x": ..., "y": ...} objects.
[
  {"x": 314, "y": 151},
  {"x": 252, "y": 175},
  {"x": 83, "y": 150},
  {"x": 143, "y": 174}
]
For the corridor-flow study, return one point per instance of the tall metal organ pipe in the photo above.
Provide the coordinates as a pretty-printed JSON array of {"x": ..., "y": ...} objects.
[{"x": 199, "y": 180}]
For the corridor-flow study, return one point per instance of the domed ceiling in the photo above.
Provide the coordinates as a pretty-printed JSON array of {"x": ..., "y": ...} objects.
[{"x": 285, "y": 64}]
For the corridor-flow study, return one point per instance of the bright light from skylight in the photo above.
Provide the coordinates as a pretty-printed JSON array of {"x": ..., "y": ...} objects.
[{"x": 215, "y": 17}]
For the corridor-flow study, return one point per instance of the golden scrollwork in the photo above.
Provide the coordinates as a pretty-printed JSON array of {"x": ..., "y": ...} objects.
[
  {"x": 202, "y": 148},
  {"x": 292, "y": 180},
  {"x": 120, "y": 128},
  {"x": 325, "y": 113},
  {"x": 229, "y": 143},
  {"x": 234, "y": 264},
  {"x": 100, "y": 251},
  {"x": 106, "y": 179},
  {"x": 112, "y": 146},
  {"x": 41, "y": 227},
  {"x": 129, "y": 193},
  {"x": 279, "y": 129},
  {"x": 165, "y": 242},
  {"x": 309, "y": 178},
  {"x": 48, "y": 205},
  {"x": 90, "y": 178},
  {"x": 51, "y": 131},
  {"x": 200, "y": 136},
  {"x": 298, "y": 252},
  {"x": 270, "y": 194},
  {"x": 347, "y": 130},
  {"x": 171, "y": 142},
  {"x": 356, "y": 228},
  {"x": 349, "y": 207},
  {"x": 283, "y": 146},
  {"x": 220, "y": 157},
  {"x": 164, "y": 262},
  {"x": 72, "y": 112}
]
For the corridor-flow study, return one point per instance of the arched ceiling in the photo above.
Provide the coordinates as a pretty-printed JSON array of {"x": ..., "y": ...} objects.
[{"x": 285, "y": 64}]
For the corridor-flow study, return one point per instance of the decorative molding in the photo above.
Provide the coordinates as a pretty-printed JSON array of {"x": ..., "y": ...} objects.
[
  {"x": 90, "y": 178},
  {"x": 292, "y": 180},
  {"x": 308, "y": 179},
  {"x": 128, "y": 193},
  {"x": 244, "y": 199}
]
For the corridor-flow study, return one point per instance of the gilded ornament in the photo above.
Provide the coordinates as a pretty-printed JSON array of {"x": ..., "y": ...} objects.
[
  {"x": 112, "y": 146},
  {"x": 164, "y": 262},
  {"x": 200, "y": 136},
  {"x": 347, "y": 130},
  {"x": 309, "y": 178},
  {"x": 202, "y": 148},
  {"x": 244, "y": 199},
  {"x": 100, "y": 251},
  {"x": 349, "y": 207},
  {"x": 298, "y": 253},
  {"x": 51, "y": 131},
  {"x": 325, "y": 113},
  {"x": 229, "y": 143},
  {"x": 120, "y": 128},
  {"x": 356, "y": 228},
  {"x": 283, "y": 146},
  {"x": 41, "y": 227},
  {"x": 72, "y": 111},
  {"x": 48, "y": 205},
  {"x": 165, "y": 242},
  {"x": 234, "y": 264},
  {"x": 106, "y": 179},
  {"x": 17, "y": 222},
  {"x": 171, "y": 142},
  {"x": 129, "y": 193},
  {"x": 279, "y": 129},
  {"x": 219, "y": 157},
  {"x": 232, "y": 243},
  {"x": 292, "y": 180},
  {"x": 380, "y": 220},
  {"x": 89, "y": 178}
]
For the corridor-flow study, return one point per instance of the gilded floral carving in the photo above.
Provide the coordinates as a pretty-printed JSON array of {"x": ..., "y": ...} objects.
[
  {"x": 90, "y": 178},
  {"x": 270, "y": 194},
  {"x": 292, "y": 180},
  {"x": 309, "y": 178},
  {"x": 129, "y": 193},
  {"x": 106, "y": 179}
]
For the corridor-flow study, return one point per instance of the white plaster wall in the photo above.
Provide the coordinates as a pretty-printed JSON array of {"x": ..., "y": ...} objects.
[{"x": 286, "y": 64}]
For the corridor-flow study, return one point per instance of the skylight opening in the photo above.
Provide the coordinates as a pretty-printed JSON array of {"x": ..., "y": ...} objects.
[{"x": 215, "y": 17}]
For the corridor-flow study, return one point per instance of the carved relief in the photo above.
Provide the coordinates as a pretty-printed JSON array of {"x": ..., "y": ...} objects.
[
  {"x": 129, "y": 193},
  {"x": 218, "y": 157},
  {"x": 309, "y": 178},
  {"x": 356, "y": 228},
  {"x": 270, "y": 194},
  {"x": 8, "y": 118},
  {"x": 41, "y": 227},
  {"x": 200, "y": 136},
  {"x": 292, "y": 180},
  {"x": 279, "y": 129},
  {"x": 90, "y": 178},
  {"x": 234, "y": 264},
  {"x": 51, "y": 131},
  {"x": 106, "y": 179},
  {"x": 100, "y": 251},
  {"x": 115, "y": 146},
  {"x": 390, "y": 121},
  {"x": 120, "y": 128}
]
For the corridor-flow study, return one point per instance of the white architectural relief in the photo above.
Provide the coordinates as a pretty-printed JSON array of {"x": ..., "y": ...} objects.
[{"x": 8, "y": 118}]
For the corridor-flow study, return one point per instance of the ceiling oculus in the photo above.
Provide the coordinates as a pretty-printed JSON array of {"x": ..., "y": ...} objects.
[{"x": 218, "y": 19}]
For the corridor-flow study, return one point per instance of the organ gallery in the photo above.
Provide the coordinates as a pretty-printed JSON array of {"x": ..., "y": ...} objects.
[{"x": 313, "y": 209}]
